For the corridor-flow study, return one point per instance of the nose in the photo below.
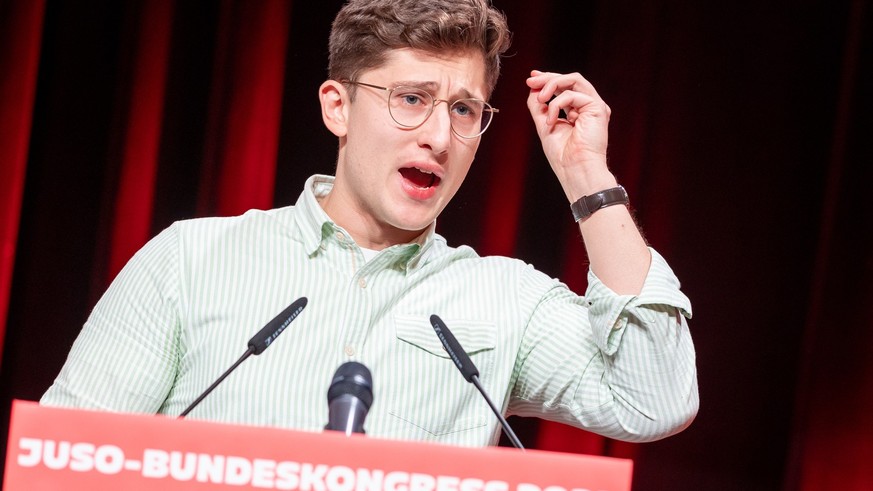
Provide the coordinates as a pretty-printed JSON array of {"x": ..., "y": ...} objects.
[{"x": 436, "y": 132}]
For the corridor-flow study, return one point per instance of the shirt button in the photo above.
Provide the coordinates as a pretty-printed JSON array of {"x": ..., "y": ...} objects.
[
  {"x": 349, "y": 351},
  {"x": 362, "y": 282},
  {"x": 340, "y": 236}
]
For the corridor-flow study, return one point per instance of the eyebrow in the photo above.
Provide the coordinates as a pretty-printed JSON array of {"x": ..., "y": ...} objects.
[{"x": 433, "y": 87}]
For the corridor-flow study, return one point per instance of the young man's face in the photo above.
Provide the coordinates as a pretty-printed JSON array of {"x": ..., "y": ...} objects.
[{"x": 395, "y": 179}]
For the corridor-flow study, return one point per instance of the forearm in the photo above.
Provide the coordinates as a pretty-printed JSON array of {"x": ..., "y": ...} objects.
[
  {"x": 575, "y": 146},
  {"x": 616, "y": 250}
]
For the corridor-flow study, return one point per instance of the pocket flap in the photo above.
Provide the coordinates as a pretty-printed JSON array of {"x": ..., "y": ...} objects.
[{"x": 473, "y": 335}]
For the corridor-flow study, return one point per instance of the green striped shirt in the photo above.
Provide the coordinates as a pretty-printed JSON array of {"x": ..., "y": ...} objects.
[{"x": 184, "y": 307}]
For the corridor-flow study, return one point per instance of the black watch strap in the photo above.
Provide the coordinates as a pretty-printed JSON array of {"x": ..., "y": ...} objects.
[{"x": 586, "y": 205}]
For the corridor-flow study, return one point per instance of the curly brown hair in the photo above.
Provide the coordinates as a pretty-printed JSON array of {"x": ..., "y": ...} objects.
[{"x": 365, "y": 30}]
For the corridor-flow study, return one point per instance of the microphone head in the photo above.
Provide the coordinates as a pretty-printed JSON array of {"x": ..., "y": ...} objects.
[
  {"x": 454, "y": 349},
  {"x": 274, "y": 328},
  {"x": 352, "y": 378}
]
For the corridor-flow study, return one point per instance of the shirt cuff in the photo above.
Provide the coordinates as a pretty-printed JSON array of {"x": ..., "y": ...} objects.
[{"x": 610, "y": 312}]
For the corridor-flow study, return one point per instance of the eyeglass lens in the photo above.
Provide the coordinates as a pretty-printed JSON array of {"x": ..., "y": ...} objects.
[{"x": 411, "y": 106}]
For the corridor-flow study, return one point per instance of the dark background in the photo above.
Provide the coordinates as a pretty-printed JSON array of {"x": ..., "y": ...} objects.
[{"x": 741, "y": 130}]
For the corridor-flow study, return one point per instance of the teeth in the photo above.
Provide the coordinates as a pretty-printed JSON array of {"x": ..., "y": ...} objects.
[{"x": 425, "y": 171}]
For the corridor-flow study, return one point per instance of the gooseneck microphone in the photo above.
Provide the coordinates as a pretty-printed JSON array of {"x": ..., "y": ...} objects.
[
  {"x": 257, "y": 345},
  {"x": 349, "y": 398},
  {"x": 469, "y": 371}
]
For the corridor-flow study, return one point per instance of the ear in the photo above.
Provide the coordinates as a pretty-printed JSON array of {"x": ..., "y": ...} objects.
[{"x": 334, "y": 107}]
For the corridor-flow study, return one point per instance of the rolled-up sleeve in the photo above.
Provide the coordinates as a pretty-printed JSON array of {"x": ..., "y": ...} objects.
[{"x": 620, "y": 365}]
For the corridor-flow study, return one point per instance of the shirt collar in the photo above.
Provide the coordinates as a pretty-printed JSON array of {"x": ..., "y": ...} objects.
[{"x": 315, "y": 226}]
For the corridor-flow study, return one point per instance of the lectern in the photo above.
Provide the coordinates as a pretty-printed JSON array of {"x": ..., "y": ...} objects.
[{"x": 66, "y": 449}]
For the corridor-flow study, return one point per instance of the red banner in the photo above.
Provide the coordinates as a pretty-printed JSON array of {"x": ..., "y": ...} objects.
[{"x": 53, "y": 448}]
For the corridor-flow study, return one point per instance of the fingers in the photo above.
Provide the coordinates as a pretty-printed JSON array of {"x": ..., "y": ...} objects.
[
  {"x": 550, "y": 84},
  {"x": 539, "y": 112},
  {"x": 571, "y": 93}
]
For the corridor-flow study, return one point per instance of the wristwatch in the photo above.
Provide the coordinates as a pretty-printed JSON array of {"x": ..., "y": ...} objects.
[{"x": 586, "y": 205}]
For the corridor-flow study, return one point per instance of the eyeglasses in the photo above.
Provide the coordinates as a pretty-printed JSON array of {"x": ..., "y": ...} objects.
[{"x": 411, "y": 106}]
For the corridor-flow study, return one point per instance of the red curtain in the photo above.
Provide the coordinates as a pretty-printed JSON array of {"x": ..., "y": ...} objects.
[
  {"x": 244, "y": 140},
  {"x": 20, "y": 31},
  {"x": 243, "y": 125},
  {"x": 131, "y": 224},
  {"x": 738, "y": 130},
  {"x": 835, "y": 390}
]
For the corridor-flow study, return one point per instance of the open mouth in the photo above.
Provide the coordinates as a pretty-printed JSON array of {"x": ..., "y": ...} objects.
[{"x": 420, "y": 178}]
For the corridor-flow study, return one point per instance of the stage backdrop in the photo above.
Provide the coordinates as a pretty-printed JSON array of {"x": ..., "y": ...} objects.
[{"x": 740, "y": 130}]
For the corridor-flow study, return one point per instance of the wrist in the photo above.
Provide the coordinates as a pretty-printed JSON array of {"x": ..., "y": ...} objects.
[
  {"x": 588, "y": 183},
  {"x": 588, "y": 204}
]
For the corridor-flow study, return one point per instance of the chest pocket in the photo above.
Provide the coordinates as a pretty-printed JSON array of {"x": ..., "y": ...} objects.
[{"x": 432, "y": 395}]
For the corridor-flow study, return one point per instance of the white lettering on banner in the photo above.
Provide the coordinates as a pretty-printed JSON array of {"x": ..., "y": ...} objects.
[
  {"x": 158, "y": 464},
  {"x": 56, "y": 455},
  {"x": 396, "y": 481},
  {"x": 82, "y": 455},
  {"x": 133, "y": 465},
  {"x": 263, "y": 473},
  {"x": 183, "y": 466},
  {"x": 155, "y": 463},
  {"x": 340, "y": 478},
  {"x": 312, "y": 478},
  {"x": 369, "y": 480},
  {"x": 288, "y": 473},
  {"x": 78, "y": 457},
  {"x": 210, "y": 468},
  {"x": 472, "y": 485},
  {"x": 421, "y": 482},
  {"x": 533, "y": 487},
  {"x": 447, "y": 483},
  {"x": 236, "y": 471},
  {"x": 108, "y": 459},
  {"x": 34, "y": 447},
  {"x": 496, "y": 486}
]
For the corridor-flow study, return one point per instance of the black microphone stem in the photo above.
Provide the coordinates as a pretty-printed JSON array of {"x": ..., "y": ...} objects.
[
  {"x": 249, "y": 352},
  {"x": 469, "y": 371},
  {"x": 259, "y": 342},
  {"x": 505, "y": 424}
]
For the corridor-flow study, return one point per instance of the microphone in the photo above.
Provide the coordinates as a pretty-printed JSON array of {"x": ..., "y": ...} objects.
[
  {"x": 257, "y": 344},
  {"x": 469, "y": 371},
  {"x": 349, "y": 398}
]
